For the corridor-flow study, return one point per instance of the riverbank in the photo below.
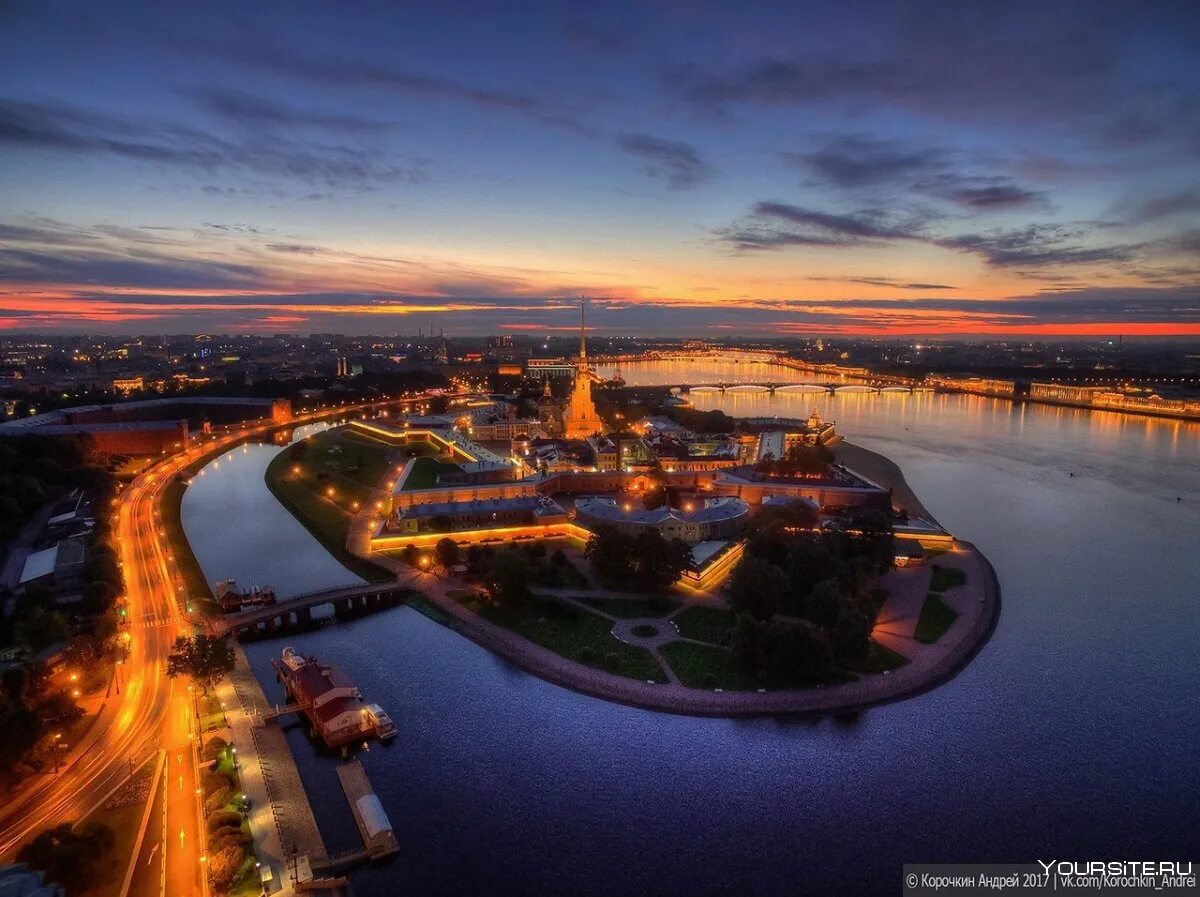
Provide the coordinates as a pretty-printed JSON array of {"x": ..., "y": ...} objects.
[
  {"x": 281, "y": 818},
  {"x": 883, "y": 471},
  {"x": 977, "y": 604}
]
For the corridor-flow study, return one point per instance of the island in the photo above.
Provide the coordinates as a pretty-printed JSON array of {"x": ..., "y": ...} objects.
[{"x": 683, "y": 561}]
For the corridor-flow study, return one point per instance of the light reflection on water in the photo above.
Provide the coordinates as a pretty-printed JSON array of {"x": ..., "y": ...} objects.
[{"x": 1073, "y": 733}]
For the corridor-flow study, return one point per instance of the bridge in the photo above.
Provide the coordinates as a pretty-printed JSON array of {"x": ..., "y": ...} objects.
[
  {"x": 772, "y": 388},
  {"x": 352, "y": 601}
]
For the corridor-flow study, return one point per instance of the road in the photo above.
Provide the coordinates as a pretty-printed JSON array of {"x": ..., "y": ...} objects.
[{"x": 151, "y": 711}]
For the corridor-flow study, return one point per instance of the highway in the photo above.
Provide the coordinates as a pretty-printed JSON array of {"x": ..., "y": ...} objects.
[{"x": 151, "y": 712}]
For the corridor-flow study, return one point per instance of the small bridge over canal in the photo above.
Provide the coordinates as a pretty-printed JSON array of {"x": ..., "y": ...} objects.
[{"x": 352, "y": 601}]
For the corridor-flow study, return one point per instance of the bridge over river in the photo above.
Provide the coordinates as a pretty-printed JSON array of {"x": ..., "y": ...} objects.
[
  {"x": 351, "y": 601},
  {"x": 825, "y": 388}
]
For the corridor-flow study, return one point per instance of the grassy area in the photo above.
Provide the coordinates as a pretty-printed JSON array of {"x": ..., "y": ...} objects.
[
  {"x": 122, "y": 813},
  {"x": 628, "y": 608},
  {"x": 305, "y": 494},
  {"x": 935, "y": 619},
  {"x": 194, "y": 583},
  {"x": 425, "y": 471},
  {"x": 706, "y": 624},
  {"x": 708, "y": 666},
  {"x": 573, "y": 633},
  {"x": 946, "y": 578},
  {"x": 880, "y": 659}
]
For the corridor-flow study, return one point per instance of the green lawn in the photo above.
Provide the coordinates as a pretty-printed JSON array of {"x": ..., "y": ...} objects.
[
  {"x": 123, "y": 814},
  {"x": 706, "y": 624},
  {"x": 935, "y": 619},
  {"x": 573, "y": 633},
  {"x": 425, "y": 472},
  {"x": 880, "y": 659},
  {"x": 628, "y": 608},
  {"x": 946, "y": 578},
  {"x": 351, "y": 474},
  {"x": 707, "y": 666}
]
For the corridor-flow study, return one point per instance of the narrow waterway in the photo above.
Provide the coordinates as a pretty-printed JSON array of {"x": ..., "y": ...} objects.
[
  {"x": 1073, "y": 734},
  {"x": 238, "y": 530}
]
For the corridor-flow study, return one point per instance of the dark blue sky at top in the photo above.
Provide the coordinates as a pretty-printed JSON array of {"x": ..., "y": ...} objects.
[{"x": 719, "y": 164}]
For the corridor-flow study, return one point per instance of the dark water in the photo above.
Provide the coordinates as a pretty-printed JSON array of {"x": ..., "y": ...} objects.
[{"x": 1074, "y": 734}]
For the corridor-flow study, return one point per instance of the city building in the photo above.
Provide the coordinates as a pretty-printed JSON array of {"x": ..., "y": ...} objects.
[
  {"x": 476, "y": 514},
  {"x": 698, "y": 520},
  {"x": 147, "y": 427}
]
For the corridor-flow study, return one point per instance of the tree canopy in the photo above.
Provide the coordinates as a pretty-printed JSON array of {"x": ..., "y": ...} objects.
[
  {"x": 205, "y": 660},
  {"x": 646, "y": 561}
]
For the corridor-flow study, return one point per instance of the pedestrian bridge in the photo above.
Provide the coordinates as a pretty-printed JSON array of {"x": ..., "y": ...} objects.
[{"x": 352, "y": 601}]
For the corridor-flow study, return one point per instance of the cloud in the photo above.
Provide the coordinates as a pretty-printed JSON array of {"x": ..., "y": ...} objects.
[
  {"x": 68, "y": 129},
  {"x": 253, "y": 111},
  {"x": 295, "y": 248},
  {"x": 884, "y": 282},
  {"x": 772, "y": 225},
  {"x": 149, "y": 270},
  {"x": 357, "y": 74},
  {"x": 1037, "y": 245},
  {"x": 677, "y": 163},
  {"x": 981, "y": 193},
  {"x": 1184, "y": 203},
  {"x": 856, "y": 161},
  {"x": 775, "y": 225},
  {"x": 851, "y": 161}
]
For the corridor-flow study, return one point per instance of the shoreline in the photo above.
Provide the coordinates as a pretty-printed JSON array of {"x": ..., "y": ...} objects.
[
  {"x": 978, "y": 607},
  {"x": 976, "y": 603},
  {"x": 884, "y": 472}
]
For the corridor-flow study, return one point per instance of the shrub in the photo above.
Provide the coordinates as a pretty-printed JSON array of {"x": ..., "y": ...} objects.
[
  {"x": 612, "y": 661},
  {"x": 214, "y": 747},
  {"x": 224, "y": 865},
  {"x": 214, "y": 780},
  {"x": 218, "y": 799},
  {"x": 588, "y": 655},
  {"x": 223, "y": 818}
]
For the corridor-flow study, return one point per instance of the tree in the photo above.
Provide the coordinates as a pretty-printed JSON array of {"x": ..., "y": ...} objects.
[
  {"x": 75, "y": 859},
  {"x": 508, "y": 580},
  {"x": 824, "y": 603},
  {"x": 851, "y": 635},
  {"x": 658, "y": 562},
  {"x": 610, "y": 552},
  {"x": 202, "y": 658},
  {"x": 411, "y": 555},
  {"x": 447, "y": 552},
  {"x": 757, "y": 588}
]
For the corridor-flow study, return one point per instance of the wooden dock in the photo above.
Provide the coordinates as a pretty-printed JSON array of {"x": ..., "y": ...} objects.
[{"x": 373, "y": 824}]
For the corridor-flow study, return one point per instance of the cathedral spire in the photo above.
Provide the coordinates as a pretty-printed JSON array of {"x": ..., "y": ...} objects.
[{"x": 582, "y": 330}]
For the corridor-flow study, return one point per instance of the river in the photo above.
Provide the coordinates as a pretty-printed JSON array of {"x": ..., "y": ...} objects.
[{"x": 1073, "y": 734}]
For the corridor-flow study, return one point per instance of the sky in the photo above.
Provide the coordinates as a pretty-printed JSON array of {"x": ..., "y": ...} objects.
[{"x": 723, "y": 169}]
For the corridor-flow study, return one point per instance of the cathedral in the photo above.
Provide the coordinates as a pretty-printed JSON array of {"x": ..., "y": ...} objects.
[{"x": 580, "y": 419}]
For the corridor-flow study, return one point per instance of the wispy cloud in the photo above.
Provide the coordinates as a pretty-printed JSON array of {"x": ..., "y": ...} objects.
[
  {"x": 69, "y": 129},
  {"x": 678, "y": 163}
]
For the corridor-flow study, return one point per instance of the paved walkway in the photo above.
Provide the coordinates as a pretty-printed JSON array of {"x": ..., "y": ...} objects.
[
  {"x": 281, "y": 817},
  {"x": 897, "y": 620}
]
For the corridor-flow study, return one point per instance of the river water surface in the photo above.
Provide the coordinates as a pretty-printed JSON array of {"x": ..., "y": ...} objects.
[{"x": 1073, "y": 735}]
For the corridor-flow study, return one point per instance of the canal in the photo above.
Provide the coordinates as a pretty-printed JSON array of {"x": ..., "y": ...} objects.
[{"x": 1072, "y": 735}]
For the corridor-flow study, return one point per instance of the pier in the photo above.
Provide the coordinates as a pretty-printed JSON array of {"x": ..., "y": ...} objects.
[{"x": 373, "y": 825}]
